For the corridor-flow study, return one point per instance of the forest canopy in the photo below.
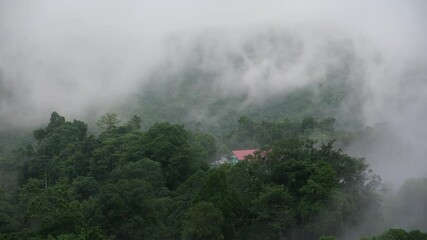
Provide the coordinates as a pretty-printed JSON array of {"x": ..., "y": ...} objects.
[{"x": 126, "y": 183}]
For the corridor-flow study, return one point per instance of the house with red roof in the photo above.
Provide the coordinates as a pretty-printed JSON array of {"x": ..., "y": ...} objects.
[{"x": 239, "y": 155}]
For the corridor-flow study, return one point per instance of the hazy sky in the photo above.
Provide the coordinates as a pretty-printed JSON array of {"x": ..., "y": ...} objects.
[{"x": 75, "y": 56}]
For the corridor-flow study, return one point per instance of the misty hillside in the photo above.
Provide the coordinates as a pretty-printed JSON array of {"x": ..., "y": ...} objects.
[{"x": 214, "y": 85}]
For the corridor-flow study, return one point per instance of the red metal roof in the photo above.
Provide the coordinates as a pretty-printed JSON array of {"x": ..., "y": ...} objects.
[{"x": 241, "y": 154}]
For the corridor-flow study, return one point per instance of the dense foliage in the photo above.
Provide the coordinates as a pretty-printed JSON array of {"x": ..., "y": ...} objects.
[
  {"x": 156, "y": 184},
  {"x": 399, "y": 234}
]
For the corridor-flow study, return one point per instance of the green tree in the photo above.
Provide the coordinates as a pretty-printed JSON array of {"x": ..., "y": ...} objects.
[
  {"x": 399, "y": 234},
  {"x": 108, "y": 121},
  {"x": 169, "y": 145},
  {"x": 51, "y": 157},
  {"x": 203, "y": 221},
  {"x": 8, "y": 217},
  {"x": 203, "y": 147},
  {"x": 145, "y": 169},
  {"x": 51, "y": 211},
  {"x": 275, "y": 212},
  {"x": 218, "y": 190},
  {"x": 328, "y": 238},
  {"x": 322, "y": 181},
  {"x": 134, "y": 123},
  {"x": 126, "y": 209}
]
